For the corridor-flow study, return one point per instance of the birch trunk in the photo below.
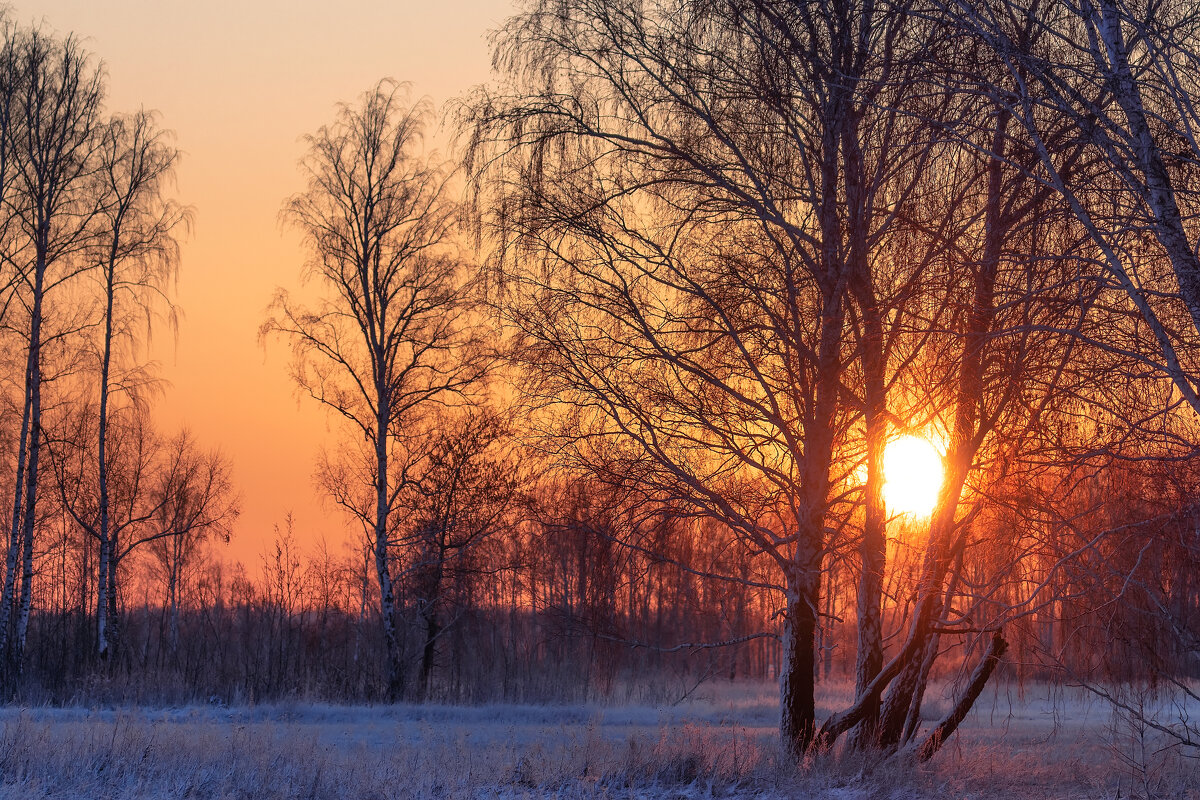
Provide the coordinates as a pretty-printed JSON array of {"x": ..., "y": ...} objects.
[
  {"x": 905, "y": 693},
  {"x": 797, "y": 670},
  {"x": 873, "y": 548},
  {"x": 8, "y": 599},
  {"x": 1158, "y": 190},
  {"x": 387, "y": 602},
  {"x": 32, "y": 446},
  {"x": 979, "y": 679},
  {"x": 104, "y": 568}
]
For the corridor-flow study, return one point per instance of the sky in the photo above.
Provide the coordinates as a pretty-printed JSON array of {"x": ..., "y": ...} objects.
[{"x": 240, "y": 83}]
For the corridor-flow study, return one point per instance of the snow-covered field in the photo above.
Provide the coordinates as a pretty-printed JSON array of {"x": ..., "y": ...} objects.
[{"x": 721, "y": 742}]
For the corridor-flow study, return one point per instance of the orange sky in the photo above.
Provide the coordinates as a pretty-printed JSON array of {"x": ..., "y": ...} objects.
[{"x": 239, "y": 83}]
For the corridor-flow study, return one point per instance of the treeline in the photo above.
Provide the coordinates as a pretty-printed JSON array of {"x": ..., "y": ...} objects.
[
  {"x": 539, "y": 612},
  {"x": 577, "y": 594}
]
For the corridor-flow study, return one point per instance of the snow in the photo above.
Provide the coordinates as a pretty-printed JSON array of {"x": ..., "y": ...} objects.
[{"x": 722, "y": 743}]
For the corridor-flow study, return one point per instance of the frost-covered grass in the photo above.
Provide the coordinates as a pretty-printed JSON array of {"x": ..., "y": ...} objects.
[{"x": 720, "y": 742}]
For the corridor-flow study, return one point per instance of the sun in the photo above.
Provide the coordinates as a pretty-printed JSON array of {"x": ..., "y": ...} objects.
[{"x": 912, "y": 475}]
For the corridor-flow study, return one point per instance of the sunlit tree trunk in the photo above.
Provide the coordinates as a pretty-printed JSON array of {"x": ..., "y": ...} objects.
[
  {"x": 904, "y": 696},
  {"x": 873, "y": 548}
]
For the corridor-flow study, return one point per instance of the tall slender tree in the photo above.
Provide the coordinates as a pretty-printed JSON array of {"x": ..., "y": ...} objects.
[
  {"x": 53, "y": 136},
  {"x": 137, "y": 257},
  {"x": 393, "y": 336}
]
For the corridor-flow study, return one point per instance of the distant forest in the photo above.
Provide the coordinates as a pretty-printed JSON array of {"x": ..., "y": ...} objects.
[{"x": 616, "y": 386}]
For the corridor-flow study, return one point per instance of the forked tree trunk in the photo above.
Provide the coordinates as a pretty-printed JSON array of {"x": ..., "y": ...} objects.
[
  {"x": 930, "y": 656},
  {"x": 904, "y": 697},
  {"x": 966, "y": 700},
  {"x": 930, "y": 600}
]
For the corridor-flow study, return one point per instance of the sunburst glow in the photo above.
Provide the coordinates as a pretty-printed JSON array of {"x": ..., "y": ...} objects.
[{"x": 912, "y": 472}]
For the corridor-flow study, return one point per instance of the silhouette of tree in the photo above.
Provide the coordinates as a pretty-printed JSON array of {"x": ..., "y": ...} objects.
[
  {"x": 692, "y": 196},
  {"x": 54, "y": 130},
  {"x": 137, "y": 255},
  {"x": 456, "y": 507},
  {"x": 394, "y": 337},
  {"x": 731, "y": 236}
]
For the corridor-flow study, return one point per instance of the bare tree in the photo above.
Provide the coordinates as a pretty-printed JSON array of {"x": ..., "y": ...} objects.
[
  {"x": 1121, "y": 77},
  {"x": 138, "y": 256},
  {"x": 192, "y": 500},
  {"x": 393, "y": 337},
  {"x": 165, "y": 493},
  {"x": 455, "y": 507},
  {"x": 694, "y": 196},
  {"x": 742, "y": 243},
  {"x": 9, "y": 82},
  {"x": 53, "y": 136}
]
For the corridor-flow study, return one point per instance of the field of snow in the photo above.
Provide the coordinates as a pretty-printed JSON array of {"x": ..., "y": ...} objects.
[{"x": 721, "y": 742}]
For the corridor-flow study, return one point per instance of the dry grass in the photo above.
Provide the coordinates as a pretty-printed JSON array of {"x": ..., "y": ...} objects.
[{"x": 720, "y": 743}]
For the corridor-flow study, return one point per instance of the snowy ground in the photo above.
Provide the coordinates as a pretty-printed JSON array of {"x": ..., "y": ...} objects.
[{"x": 721, "y": 742}]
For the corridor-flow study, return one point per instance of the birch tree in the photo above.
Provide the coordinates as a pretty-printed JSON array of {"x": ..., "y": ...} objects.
[
  {"x": 456, "y": 505},
  {"x": 732, "y": 238},
  {"x": 392, "y": 337},
  {"x": 53, "y": 136},
  {"x": 693, "y": 196},
  {"x": 136, "y": 255},
  {"x": 1122, "y": 76},
  {"x": 192, "y": 500},
  {"x": 138, "y": 260}
]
